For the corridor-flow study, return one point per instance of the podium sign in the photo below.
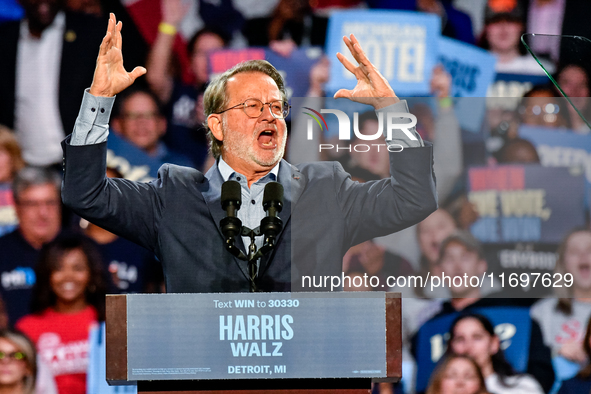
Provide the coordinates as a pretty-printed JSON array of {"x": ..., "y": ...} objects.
[{"x": 251, "y": 336}]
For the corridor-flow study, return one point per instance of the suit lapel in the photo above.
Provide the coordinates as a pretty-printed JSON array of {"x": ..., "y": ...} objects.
[
  {"x": 293, "y": 186},
  {"x": 212, "y": 194},
  {"x": 293, "y": 183}
]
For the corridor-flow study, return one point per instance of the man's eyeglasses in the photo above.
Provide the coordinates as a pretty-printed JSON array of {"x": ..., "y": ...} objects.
[
  {"x": 17, "y": 356},
  {"x": 253, "y": 108}
]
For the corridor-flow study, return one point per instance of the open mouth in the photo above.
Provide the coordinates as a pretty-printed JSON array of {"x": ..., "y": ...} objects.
[
  {"x": 585, "y": 269},
  {"x": 267, "y": 139}
]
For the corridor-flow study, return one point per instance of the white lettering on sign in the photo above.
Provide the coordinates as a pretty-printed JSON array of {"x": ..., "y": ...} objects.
[
  {"x": 256, "y": 328},
  {"x": 398, "y": 51},
  {"x": 253, "y": 327},
  {"x": 563, "y": 156}
]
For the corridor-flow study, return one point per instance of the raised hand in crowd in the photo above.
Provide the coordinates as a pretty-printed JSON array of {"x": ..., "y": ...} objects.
[
  {"x": 159, "y": 79},
  {"x": 440, "y": 82},
  {"x": 110, "y": 77},
  {"x": 173, "y": 11}
]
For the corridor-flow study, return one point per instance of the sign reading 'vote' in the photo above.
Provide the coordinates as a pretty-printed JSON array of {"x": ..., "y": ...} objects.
[
  {"x": 402, "y": 45},
  {"x": 525, "y": 203}
]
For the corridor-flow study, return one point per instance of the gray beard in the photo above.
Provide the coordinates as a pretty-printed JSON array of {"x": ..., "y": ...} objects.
[{"x": 242, "y": 148}]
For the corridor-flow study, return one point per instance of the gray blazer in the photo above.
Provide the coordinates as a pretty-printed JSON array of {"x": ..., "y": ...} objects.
[{"x": 177, "y": 216}]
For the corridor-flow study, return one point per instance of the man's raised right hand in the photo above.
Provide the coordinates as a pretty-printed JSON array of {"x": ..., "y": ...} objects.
[{"x": 110, "y": 76}]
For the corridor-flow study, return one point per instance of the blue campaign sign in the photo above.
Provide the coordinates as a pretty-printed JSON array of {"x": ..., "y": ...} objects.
[
  {"x": 559, "y": 149},
  {"x": 470, "y": 113},
  {"x": 512, "y": 326},
  {"x": 525, "y": 203},
  {"x": 472, "y": 69},
  {"x": 401, "y": 44},
  {"x": 132, "y": 162}
]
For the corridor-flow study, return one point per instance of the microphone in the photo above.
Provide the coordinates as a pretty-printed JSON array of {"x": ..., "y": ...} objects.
[
  {"x": 231, "y": 197},
  {"x": 231, "y": 226},
  {"x": 271, "y": 225},
  {"x": 273, "y": 198}
]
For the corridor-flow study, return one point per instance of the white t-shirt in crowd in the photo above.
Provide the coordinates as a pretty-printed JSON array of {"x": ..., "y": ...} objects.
[{"x": 518, "y": 384}]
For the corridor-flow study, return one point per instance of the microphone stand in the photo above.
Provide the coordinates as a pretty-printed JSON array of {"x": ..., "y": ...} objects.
[
  {"x": 252, "y": 259},
  {"x": 270, "y": 226},
  {"x": 255, "y": 255}
]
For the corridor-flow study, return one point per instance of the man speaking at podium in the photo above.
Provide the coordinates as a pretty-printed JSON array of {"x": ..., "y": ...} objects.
[{"x": 178, "y": 215}]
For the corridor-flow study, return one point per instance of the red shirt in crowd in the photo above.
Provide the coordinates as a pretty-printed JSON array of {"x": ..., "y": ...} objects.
[{"x": 62, "y": 343}]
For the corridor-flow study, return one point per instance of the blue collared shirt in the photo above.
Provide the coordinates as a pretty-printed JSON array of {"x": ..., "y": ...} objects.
[{"x": 251, "y": 211}]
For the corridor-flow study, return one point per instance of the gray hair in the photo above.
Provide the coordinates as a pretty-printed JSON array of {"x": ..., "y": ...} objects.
[
  {"x": 24, "y": 345},
  {"x": 465, "y": 239},
  {"x": 34, "y": 176},
  {"x": 215, "y": 98}
]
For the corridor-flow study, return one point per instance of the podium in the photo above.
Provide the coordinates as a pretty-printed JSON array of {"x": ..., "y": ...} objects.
[{"x": 254, "y": 343}]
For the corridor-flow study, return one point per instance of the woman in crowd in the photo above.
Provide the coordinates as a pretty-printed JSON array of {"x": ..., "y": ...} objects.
[
  {"x": 581, "y": 383},
  {"x": 11, "y": 162},
  {"x": 18, "y": 363},
  {"x": 68, "y": 300},
  {"x": 457, "y": 374},
  {"x": 563, "y": 318},
  {"x": 473, "y": 335},
  {"x": 573, "y": 79}
]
